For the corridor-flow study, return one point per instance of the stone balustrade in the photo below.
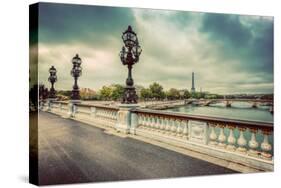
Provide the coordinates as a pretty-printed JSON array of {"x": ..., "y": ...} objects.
[
  {"x": 92, "y": 114},
  {"x": 244, "y": 142}
]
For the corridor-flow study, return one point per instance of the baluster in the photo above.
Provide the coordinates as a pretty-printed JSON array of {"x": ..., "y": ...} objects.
[
  {"x": 145, "y": 123},
  {"x": 231, "y": 140},
  {"x": 157, "y": 123},
  {"x": 152, "y": 125},
  {"x": 174, "y": 127},
  {"x": 112, "y": 115},
  {"x": 253, "y": 144},
  {"x": 140, "y": 121},
  {"x": 104, "y": 114},
  {"x": 179, "y": 128},
  {"x": 150, "y": 122},
  {"x": 167, "y": 126},
  {"x": 266, "y": 146},
  {"x": 241, "y": 141},
  {"x": 222, "y": 137},
  {"x": 213, "y": 135},
  {"x": 171, "y": 127},
  {"x": 97, "y": 114},
  {"x": 100, "y": 114},
  {"x": 107, "y": 120},
  {"x": 162, "y": 124},
  {"x": 185, "y": 129}
]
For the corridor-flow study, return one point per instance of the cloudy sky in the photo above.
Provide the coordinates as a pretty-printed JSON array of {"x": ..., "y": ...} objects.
[{"x": 228, "y": 53}]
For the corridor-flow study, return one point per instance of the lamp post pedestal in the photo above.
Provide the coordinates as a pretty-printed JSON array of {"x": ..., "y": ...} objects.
[
  {"x": 124, "y": 118},
  {"x": 130, "y": 95},
  {"x": 75, "y": 95}
]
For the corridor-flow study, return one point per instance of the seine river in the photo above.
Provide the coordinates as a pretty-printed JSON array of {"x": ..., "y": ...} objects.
[{"x": 241, "y": 111}]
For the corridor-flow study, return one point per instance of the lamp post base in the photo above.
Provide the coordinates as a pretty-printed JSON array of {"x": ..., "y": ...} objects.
[{"x": 130, "y": 95}]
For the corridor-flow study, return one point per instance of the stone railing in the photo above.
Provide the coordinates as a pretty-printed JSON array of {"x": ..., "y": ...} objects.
[
  {"x": 99, "y": 115},
  {"x": 93, "y": 114},
  {"x": 245, "y": 142},
  {"x": 60, "y": 108}
]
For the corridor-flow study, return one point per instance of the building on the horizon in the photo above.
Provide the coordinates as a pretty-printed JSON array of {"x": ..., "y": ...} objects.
[{"x": 193, "y": 85}]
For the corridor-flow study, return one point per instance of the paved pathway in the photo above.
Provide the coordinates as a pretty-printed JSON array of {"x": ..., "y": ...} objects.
[{"x": 74, "y": 152}]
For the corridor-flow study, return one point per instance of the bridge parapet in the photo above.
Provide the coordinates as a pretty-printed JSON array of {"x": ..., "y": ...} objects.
[
  {"x": 244, "y": 142},
  {"x": 97, "y": 114}
]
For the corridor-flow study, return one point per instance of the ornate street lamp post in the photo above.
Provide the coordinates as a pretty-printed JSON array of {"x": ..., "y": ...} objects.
[
  {"x": 76, "y": 72},
  {"x": 52, "y": 79},
  {"x": 129, "y": 55}
]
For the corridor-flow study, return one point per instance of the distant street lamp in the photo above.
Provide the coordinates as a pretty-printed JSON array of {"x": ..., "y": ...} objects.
[
  {"x": 52, "y": 78},
  {"x": 76, "y": 72},
  {"x": 129, "y": 55}
]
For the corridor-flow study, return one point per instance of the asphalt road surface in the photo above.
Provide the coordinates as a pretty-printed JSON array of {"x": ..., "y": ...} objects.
[{"x": 74, "y": 152}]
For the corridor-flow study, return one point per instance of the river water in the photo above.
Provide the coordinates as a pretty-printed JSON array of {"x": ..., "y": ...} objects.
[{"x": 240, "y": 111}]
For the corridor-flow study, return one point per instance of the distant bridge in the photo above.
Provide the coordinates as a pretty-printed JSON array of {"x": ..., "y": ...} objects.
[
  {"x": 207, "y": 102},
  {"x": 228, "y": 102}
]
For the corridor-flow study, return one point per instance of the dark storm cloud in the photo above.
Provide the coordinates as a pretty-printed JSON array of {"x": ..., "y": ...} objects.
[
  {"x": 250, "y": 41},
  {"x": 227, "y": 28},
  {"x": 64, "y": 23}
]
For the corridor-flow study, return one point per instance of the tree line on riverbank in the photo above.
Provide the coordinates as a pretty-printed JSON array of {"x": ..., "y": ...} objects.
[{"x": 154, "y": 91}]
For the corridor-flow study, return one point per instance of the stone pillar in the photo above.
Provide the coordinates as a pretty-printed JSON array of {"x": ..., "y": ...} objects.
[
  {"x": 72, "y": 108},
  {"x": 49, "y": 104},
  {"x": 134, "y": 123},
  {"x": 125, "y": 117}
]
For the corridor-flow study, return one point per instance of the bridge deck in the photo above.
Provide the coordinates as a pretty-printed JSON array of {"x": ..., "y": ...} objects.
[{"x": 73, "y": 152}]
